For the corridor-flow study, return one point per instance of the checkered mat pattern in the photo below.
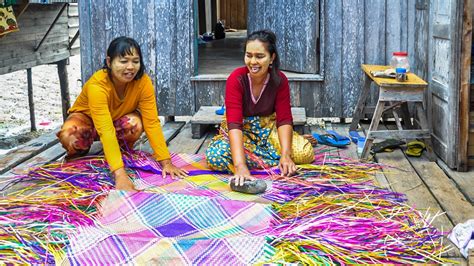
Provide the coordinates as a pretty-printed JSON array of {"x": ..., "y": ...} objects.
[
  {"x": 173, "y": 229},
  {"x": 201, "y": 182}
]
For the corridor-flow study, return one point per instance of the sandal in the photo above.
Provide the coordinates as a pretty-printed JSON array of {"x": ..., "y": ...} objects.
[
  {"x": 387, "y": 145},
  {"x": 355, "y": 137},
  {"x": 415, "y": 148},
  {"x": 332, "y": 140}
]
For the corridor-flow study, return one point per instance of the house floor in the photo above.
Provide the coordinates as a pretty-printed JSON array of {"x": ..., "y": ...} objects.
[{"x": 430, "y": 186}]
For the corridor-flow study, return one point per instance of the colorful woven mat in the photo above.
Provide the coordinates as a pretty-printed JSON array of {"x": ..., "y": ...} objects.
[{"x": 331, "y": 212}]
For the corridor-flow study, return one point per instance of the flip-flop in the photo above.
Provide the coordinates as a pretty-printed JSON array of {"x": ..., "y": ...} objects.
[
  {"x": 387, "y": 145},
  {"x": 337, "y": 136},
  {"x": 415, "y": 148},
  {"x": 220, "y": 111},
  {"x": 355, "y": 137},
  {"x": 330, "y": 140}
]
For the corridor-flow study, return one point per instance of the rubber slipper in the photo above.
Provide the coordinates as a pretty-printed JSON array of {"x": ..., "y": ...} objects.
[
  {"x": 387, "y": 145},
  {"x": 415, "y": 148},
  {"x": 257, "y": 186},
  {"x": 330, "y": 140},
  {"x": 220, "y": 111},
  {"x": 337, "y": 136},
  {"x": 355, "y": 137}
]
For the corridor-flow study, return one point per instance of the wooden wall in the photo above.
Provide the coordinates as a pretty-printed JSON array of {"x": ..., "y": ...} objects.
[
  {"x": 352, "y": 32},
  {"x": 165, "y": 31},
  {"x": 18, "y": 47},
  {"x": 234, "y": 13},
  {"x": 73, "y": 27}
]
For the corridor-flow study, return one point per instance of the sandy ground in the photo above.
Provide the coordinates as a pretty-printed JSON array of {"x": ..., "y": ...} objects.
[{"x": 14, "y": 114}]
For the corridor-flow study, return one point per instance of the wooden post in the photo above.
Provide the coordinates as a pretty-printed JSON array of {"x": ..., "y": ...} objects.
[
  {"x": 464, "y": 90},
  {"x": 30, "y": 99},
  {"x": 64, "y": 84}
]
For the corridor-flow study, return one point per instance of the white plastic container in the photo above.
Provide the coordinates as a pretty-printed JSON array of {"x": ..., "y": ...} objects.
[{"x": 400, "y": 60}]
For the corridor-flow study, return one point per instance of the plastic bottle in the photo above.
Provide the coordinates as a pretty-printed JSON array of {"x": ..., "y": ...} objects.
[
  {"x": 401, "y": 74},
  {"x": 400, "y": 60}
]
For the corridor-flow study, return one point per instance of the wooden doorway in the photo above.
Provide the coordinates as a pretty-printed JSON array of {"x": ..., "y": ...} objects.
[{"x": 220, "y": 57}]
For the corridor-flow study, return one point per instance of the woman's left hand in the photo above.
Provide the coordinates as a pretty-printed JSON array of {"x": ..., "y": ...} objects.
[
  {"x": 287, "y": 166},
  {"x": 169, "y": 168}
]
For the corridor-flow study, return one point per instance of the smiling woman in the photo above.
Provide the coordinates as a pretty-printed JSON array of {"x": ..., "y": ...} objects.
[
  {"x": 115, "y": 106},
  {"x": 258, "y": 129}
]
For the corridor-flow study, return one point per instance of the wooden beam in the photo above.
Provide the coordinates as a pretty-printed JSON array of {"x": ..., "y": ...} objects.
[
  {"x": 51, "y": 26},
  {"x": 464, "y": 97},
  {"x": 64, "y": 85},
  {"x": 31, "y": 102},
  {"x": 71, "y": 43}
]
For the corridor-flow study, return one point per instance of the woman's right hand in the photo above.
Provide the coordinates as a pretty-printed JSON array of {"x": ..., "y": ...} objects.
[
  {"x": 241, "y": 174},
  {"x": 123, "y": 181}
]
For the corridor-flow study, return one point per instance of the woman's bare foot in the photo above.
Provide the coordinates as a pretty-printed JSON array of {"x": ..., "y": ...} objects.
[{"x": 311, "y": 139}]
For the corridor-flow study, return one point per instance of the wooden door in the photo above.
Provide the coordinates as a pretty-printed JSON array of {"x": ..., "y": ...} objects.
[
  {"x": 296, "y": 24},
  {"x": 443, "y": 75}
]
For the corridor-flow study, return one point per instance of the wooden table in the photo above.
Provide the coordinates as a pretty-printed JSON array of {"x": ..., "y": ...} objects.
[{"x": 393, "y": 94}]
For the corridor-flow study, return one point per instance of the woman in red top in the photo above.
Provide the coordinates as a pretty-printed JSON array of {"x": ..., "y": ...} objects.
[{"x": 258, "y": 128}]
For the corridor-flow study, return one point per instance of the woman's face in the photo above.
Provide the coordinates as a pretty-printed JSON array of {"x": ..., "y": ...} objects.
[
  {"x": 257, "y": 58},
  {"x": 124, "y": 68}
]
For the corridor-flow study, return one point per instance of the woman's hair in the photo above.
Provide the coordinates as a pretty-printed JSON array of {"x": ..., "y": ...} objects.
[
  {"x": 269, "y": 39},
  {"x": 122, "y": 46}
]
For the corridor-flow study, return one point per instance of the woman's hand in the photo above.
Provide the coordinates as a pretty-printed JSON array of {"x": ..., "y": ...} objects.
[
  {"x": 123, "y": 181},
  {"x": 287, "y": 166},
  {"x": 169, "y": 168},
  {"x": 241, "y": 174}
]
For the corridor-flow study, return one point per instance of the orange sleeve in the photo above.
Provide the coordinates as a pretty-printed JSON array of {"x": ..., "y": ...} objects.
[
  {"x": 100, "y": 113},
  {"x": 151, "y": 122}
]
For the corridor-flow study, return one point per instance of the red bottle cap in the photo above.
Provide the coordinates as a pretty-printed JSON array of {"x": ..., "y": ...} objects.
[{"x": 400, "y": 53}]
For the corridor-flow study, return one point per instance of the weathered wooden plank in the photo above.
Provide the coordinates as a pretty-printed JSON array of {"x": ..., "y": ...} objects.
[
  {"x": 374, "y": 14},
  {"x": 444, "y": 190},
  {"x": 143, "y": 27},
  {"x": 333, "y": 59},
  {"x": 166, "y": 62},
  {"x": 464, "y": 94},
  {"x": 85, "y": 40},
  {"x": 184, "y": 57},
  {"x": 24, "y": 64},
  {"x": 170, "y": 131},
  {"x": 404, "y": 179},
  {"x": 405, "y": 134},
  {"x": 184, "y": 143},
  {"x": 205, "y": 144},
  {"x": 463, "y": 180},
  {"x": 27, "y": 151},
  {"x": 51, "y": 154},
  {"x": 99, "y": 35},
  {"x": 311, "y": 96},
  {"x": 395, "y": 24},
  {"x": 207, "y": 115},
  {"x": 421, "y": 49},
  {"x": 353, "y": 51},
  {"x": 209, "y": 92}
]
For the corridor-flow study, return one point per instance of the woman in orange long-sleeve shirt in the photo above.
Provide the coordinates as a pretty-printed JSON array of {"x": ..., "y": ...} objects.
[{"x": 116, "y": 104}]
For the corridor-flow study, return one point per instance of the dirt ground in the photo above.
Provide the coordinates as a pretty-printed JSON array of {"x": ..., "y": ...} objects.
[{"x": 15, "y": 116}]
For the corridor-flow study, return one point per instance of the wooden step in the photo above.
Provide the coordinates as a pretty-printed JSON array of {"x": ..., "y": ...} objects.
[{"x": 207, "y": 116}]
